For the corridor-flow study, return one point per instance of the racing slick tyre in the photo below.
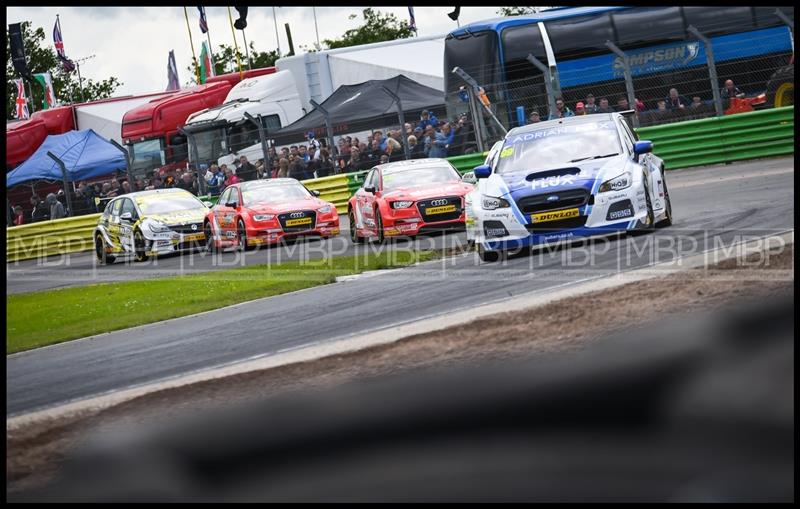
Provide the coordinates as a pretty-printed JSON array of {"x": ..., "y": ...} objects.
[
  {"x": 241, "y": 235},
  {"x": 353, "y": 233},
  {"x": 780, "y": 88},
  {"x": 379, "y": 227},
  {"x": 100, "y": 250},
  {"x": 139, "y": 246},
  {"x": 647, "y": 224},
  {"x": 487, "y": 256},
  {"x": 209, "y": 238},
  {"x": 667, "y": 221}
]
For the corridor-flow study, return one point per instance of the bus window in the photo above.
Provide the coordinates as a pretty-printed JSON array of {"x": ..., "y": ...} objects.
[
  {"x": 765, "y": 16},
  {"x": 524, "y": 82},
  {"x": 580, "y": 36},
  {"x": 712, "y": 21},
  {"x": 477, "y": 54},
  {"x": 648, "y": 26}
]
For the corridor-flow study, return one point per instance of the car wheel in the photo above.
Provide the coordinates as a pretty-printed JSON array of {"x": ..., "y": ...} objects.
[
  {"x": 487, "y": 256},
  {"x": 648, "y": 223},
  {"x": 241, "y": 235},
  {"x": 209, "y": 236},
  {"x": 667, "y": 221},
  {"x": 100, "y": 250},
  {"x": 379, "y": 226},
  {"x": 353, "y": 232},
  {"x": 139, "y": 246}
]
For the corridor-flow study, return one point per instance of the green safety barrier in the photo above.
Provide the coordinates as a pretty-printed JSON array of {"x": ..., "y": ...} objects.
[
  {"x": 716, "y": 140},
  {"x": 725, "y": 139}
]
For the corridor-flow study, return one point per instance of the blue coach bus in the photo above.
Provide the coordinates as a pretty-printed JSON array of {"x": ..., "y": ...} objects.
[{"x": 750, "y": 44}]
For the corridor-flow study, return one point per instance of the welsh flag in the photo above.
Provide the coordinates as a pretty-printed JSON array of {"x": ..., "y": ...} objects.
[
  {"x": 206, "y": 65},
  {"x": 46, "y": 82}
]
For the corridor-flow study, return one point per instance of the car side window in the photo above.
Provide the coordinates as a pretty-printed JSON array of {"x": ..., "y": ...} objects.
[
  {"x": 368, "y": 179},
  {"x": 626, "y": 137},
  {"x": 116, "y": 207},
  {"x": 127, "y": 206},
  {"x": 631, "y": 132},
  {"x": 223, "y": 199},
  {"x": 234, "y": 197}
]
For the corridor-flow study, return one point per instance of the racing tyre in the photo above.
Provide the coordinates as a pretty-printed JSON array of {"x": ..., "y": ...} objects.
[
  {"x": 780, "y": 88},
  {"x": 648, "y": 223},
  {"x": 100, "y": 250},
  {"x": 487, "y": 256},
  {"x": 241, "y": 235},
  {"x": 209, "y": 236},
  {"x": 139, "y": 246},
  {"x": 353, "y": 233},
  {"x": 667, "y": 221},
  {"x": 379, "y": 227}
]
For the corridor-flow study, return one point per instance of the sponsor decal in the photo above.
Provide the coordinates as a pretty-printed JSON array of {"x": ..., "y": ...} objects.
[
  {"x": 558, "y": 236},
  {"x": 440, "y": 210},
  {"x": 495, "y": 232},
  {"x": 558, "y": 180},
  {"x": 230, "y": 234},
  {"x": 508, "y": 151},
  {"x": 193, "y": 237},
  {"x": 619, "y": 214},
  {"x": 298, "y": 222},
  {"x": 555, "y": 215}
]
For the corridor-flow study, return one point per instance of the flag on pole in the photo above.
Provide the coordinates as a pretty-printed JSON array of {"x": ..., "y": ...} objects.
[
  {"x": 22, "y": 102},
  {"x": 172, "y": 73},
  {"x": 206, "y": 65},
  {"x": 67, "y": 63},
  {"x": 203, "y": 21},
  {"x": 412, "y": 24},
  {"x": 49, "y": 100}
]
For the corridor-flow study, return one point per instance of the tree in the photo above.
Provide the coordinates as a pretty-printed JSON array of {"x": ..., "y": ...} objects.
[
  {"x": 518, "y": 11},
  {"x": 225, "y": 61},
  {"x": 377, "y": 27},
  {"x": 42, "y": 59}
]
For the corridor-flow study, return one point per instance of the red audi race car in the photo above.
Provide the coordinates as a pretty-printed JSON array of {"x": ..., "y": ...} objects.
[
  {"x": 263, "y": 212},
  {"x": 407, "y": 198}
]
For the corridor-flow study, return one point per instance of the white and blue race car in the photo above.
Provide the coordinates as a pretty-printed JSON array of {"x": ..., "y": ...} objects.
[{"x": 564, "y": 179}]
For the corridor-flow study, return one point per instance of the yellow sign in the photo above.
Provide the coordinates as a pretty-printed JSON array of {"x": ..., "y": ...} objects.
[
  {"x": 298, "y": 222},
  {"x": 507, "y": 152},
  {"x": 444, "y": 209},
  {"x": 194, "y": 237},
  {"x": 555, "y": 215}
]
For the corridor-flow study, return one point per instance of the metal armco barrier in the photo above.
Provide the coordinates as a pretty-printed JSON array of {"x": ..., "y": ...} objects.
[
  {"x": 724, "y": 139},
  {"x": 60, "y": 236},
  {"x": 716, "y": 140}
]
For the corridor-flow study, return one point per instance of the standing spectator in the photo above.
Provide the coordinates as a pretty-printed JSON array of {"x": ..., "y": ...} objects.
[
  {"x": 139, "y": 184},
  {"x": 355, "y": 162},
  {"x": 296, "y": 171},
  {"x": 215, "y": 179},
  {"x": 534, "y": 118},
  {"x": 730, "y": 90},
  {"x": 604, "y": 107},
  {"x": 230, "y": 177},
  {"x": 285, "y": 153},
  {"x": 676, "y": 101},
  {"x": 393, "y": 148},
  {"x": 696, "y": 102},
  {"x": 408, "y": 129},
  {"x": 187, "y": 183},
  {"x": 80, "y": 205},
  {"x": 561, "y": 111},
  {"x": 283, "y": 168},
  {"x": 115, "y": 187},
  {"x": 415, "y": 150},
  {"x": 384, "y": 159},
  {"x": 428, "y": 139},
  {"x": 40, "y": 212},
  {"x": 427, "y": 119},
  {"x": 126, "y": 188},
  {"x": 325, "y": 164},
  {"x": 639, "y": 104},
  {"x": 246, "y": 170},
  {"x": 441, "y": 142},
  {"x": 314, "y": 146},
  {"x": 622, "y": 104},
  {"x": 344, "y": 148},
  {"x": 461, "y": 131},
  {"x": 580, "y": 109},
  {"x": 57, "y": 210},
  {"x": 662, "y": 105},
  {"x": 19, "y": 216},
  {"x": 303, "y": 153},
  {"x": 590, "y": 105}
]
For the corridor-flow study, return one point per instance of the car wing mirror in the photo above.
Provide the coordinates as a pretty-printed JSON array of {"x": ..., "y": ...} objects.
[
  {"x": 482, "y": 172},
  {"x": 469, "y": 178}
]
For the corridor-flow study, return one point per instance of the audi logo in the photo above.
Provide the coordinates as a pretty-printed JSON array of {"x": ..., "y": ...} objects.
[
  {"x": 295, "y": 215},
  {"x": 436, "y": 203}
]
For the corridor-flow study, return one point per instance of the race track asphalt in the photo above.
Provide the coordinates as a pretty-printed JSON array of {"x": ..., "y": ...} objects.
[{"x": 713, "y": 207}]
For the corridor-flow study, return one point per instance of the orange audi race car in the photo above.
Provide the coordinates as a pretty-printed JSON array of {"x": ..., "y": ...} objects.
[
  {"x": 266, "y": 212},
  {"x": 407, "y": 198}
]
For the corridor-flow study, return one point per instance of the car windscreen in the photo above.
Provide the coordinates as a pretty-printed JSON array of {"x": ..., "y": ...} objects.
[
  {"x": 164, "y": 204},
  {"x": 274, "y": 194},
  {"x": 419, "y": 176},
  {"x": 557, "y": 145}
]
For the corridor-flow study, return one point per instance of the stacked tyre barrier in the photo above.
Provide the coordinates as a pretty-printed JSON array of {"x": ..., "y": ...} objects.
[{"x": 717, "y": 140}]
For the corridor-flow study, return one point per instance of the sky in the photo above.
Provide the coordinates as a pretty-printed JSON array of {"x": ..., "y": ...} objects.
[{"x": 133, "y": 43}]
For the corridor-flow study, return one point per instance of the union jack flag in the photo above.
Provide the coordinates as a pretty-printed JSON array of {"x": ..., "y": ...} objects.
[
  {"x": 68, "y": 65},
  {"x": 203, "y": 21},
  {"x": 22, "y": 103}
]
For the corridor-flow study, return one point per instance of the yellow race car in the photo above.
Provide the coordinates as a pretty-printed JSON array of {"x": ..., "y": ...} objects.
[{"x": 149, "y": 223}]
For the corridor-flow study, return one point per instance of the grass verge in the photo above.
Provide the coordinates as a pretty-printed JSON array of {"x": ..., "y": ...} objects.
[{"x": 44, "y": 318}]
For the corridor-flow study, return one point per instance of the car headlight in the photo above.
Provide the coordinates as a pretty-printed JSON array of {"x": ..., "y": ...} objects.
[
  {"x": 492, "y": 203},
  {"x": 158, "y": 227},
  {"x": 263, "y": 217},
  {"x": 617, "y": 183},
  {"x": 401, "y": 204},
  {"x": 324, "y": 210}
]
